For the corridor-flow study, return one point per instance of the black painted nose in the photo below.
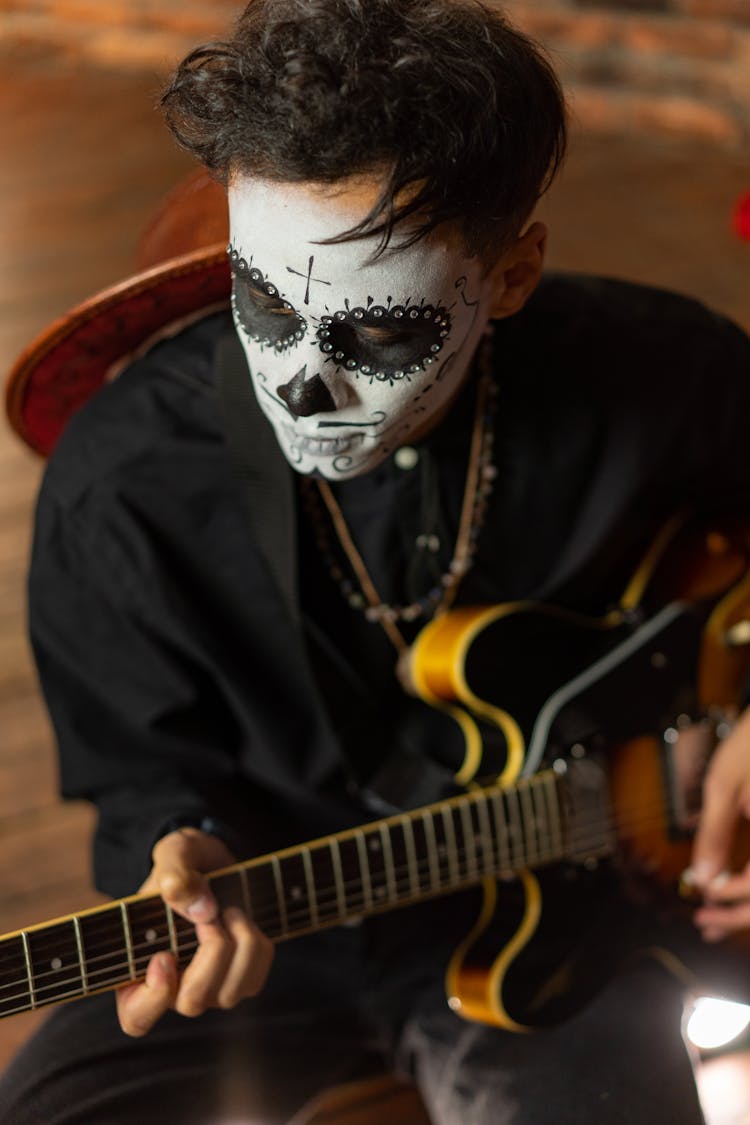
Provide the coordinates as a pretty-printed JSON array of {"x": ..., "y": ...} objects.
[{"x": 306, "y": 397}]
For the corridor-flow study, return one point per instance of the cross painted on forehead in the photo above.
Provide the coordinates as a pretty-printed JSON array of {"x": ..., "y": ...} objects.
[{"x": 310, "y": 279}]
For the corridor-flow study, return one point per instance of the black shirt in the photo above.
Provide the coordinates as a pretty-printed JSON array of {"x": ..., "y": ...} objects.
[{"x": 176, "y": 681}]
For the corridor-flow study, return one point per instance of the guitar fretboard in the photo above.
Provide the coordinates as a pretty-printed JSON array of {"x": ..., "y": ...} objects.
[{"x": 341, "y": 878}]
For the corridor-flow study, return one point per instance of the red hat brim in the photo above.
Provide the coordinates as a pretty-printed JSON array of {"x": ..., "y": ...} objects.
[{"x": 83, "y": 350}]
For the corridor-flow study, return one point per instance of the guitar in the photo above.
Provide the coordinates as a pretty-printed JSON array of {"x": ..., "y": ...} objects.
[{"x": 587, "y": 764}]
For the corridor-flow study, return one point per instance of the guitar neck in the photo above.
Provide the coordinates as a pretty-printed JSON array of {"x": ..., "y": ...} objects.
[{"x": 381, "y": 866}]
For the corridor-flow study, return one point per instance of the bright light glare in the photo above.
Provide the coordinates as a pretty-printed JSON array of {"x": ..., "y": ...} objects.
[{"x": 713, "y": 1023}]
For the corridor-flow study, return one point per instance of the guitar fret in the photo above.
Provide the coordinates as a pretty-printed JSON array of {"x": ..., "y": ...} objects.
[
  {"x": 467, "y": 830},
  {"x": 263, "y": 892},
  {"x": 53, "y": 956},
  {"x": 279, "y": 885},
  {"x": 338, "y": 876},
  {"x": 411, "y": 856},
  {"x": 29, "y": 969},
  {"x": 310, "y": 881},
  {"x": 390, "y": 872},
  {"x": 245, "y": 889},
  {"x": 174, "y": 944},
  {"x": 515, "y": 830},
  {"x": 529, "y": 826},
  {"x": 101, "y": 938},
  {"x": 541, "y": 820},
  {"x": 553, "y": 815},
  {"x": 433, "y": 857},
  {"x": 81, "y": 955},
  {"x": 128, "y": 939},
  {"x": 485, "y": 834},
  {"x": 15, "y": 994},
  {"x": 364, "y": 866},
  {"x": 454, "y": 871},
  {"x": 504, "y": 864}
]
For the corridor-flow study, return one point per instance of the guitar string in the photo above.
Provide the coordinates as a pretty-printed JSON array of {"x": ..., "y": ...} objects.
[
  {"x": 509, "y": 854},
  {"x": 577, "y": 840},
  {"x": 124, "y": 977},
  {"x": 479, "y": 854},
  {"x": 189, "y": 944},
  {"x": 506, "y": 856},
  {"x": 403, "y": 880}
]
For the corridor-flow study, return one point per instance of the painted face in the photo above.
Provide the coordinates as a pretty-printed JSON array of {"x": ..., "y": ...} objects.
[{"x": 349, "y": 358}]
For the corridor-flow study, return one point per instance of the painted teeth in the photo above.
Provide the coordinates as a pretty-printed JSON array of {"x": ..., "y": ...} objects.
[{"x": 329, "y": 447}]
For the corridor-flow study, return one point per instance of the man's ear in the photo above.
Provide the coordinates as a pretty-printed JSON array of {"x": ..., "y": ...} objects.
[{"x": 519, "y": 271}]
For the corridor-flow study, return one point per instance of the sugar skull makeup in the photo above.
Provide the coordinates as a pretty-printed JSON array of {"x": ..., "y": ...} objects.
[{"x": 349, "y": 358}]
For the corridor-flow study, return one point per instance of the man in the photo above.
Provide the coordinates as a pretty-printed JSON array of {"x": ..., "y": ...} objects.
[{"x": 219, "y": 699}]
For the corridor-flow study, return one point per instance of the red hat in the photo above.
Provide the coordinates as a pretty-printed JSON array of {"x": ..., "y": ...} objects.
[{"x": 90, "y": 345}]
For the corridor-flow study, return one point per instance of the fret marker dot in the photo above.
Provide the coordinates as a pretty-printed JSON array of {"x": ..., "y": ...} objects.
[
  {"x": 374, "y": 845},
  {"x": 56, "y": 964},
  {"x": 380, "y": 892},
  {"x": 296, "y": 893},
  {"x": 151, "y": 936}
]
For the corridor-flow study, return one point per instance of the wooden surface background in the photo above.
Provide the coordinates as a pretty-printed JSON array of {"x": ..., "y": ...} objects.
[{"x": 85, "y": 160}]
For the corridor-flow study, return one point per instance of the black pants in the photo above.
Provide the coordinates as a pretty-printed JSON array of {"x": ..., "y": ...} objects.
[{"x": 351, "y": 1003}]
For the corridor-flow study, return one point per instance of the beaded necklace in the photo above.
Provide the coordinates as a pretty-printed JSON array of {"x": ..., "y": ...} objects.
[{"x": 480, "y": 477}]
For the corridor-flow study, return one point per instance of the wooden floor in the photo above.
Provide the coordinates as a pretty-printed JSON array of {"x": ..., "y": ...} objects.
[{"x": 85, "y": 161}]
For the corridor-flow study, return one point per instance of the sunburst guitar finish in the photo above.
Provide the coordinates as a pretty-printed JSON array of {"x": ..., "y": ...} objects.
[{"x": 628, "y": 708}]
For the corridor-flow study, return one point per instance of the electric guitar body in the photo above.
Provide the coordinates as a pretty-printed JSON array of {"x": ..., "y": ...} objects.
[
  {"x": 585, "y": 744},
  {"x": 628, "y": 708}
]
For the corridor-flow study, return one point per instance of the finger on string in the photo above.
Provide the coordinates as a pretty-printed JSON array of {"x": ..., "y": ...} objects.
[
  {"x": 141, "y": 1006},
  {"x": 251, "y": 960},
  {"x": 202, "y": 978},
  {"x": 727, "y": 888},
  {"x": 716, "y": 828},
  {"x": 188, "y": 893},
  {"x": 730, "y": 919}
]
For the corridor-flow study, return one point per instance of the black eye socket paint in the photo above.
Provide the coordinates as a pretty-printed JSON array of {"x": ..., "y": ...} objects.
[
  {"x": 385, "y": 344},
  {"x": 261, "y": 310}
]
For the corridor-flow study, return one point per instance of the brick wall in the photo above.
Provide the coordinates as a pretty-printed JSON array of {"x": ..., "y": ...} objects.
[
  {"x": 123, "y": 33},
  {"x": 665, "y": 67}
]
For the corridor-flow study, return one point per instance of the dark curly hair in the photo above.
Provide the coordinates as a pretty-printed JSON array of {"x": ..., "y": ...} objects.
[{"x": 461, "y": 112}]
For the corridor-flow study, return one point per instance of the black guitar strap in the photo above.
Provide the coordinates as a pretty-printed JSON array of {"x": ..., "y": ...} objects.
[{"x": 263, "y": 473}]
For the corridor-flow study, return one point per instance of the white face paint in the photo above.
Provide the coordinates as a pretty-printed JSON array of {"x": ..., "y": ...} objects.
[{"x": 349, "y": 358}]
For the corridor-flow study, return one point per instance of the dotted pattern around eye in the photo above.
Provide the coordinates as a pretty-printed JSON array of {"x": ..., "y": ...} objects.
[
  {"x": 297, "y": 326},
  {"x": 436, "y": 320}
]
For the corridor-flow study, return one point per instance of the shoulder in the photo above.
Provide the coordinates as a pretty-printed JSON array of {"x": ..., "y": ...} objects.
[
  {"x": 611, "y": 337},
  {"x": 161, "y": 409},
  {"x": 614, "y": 314}
]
